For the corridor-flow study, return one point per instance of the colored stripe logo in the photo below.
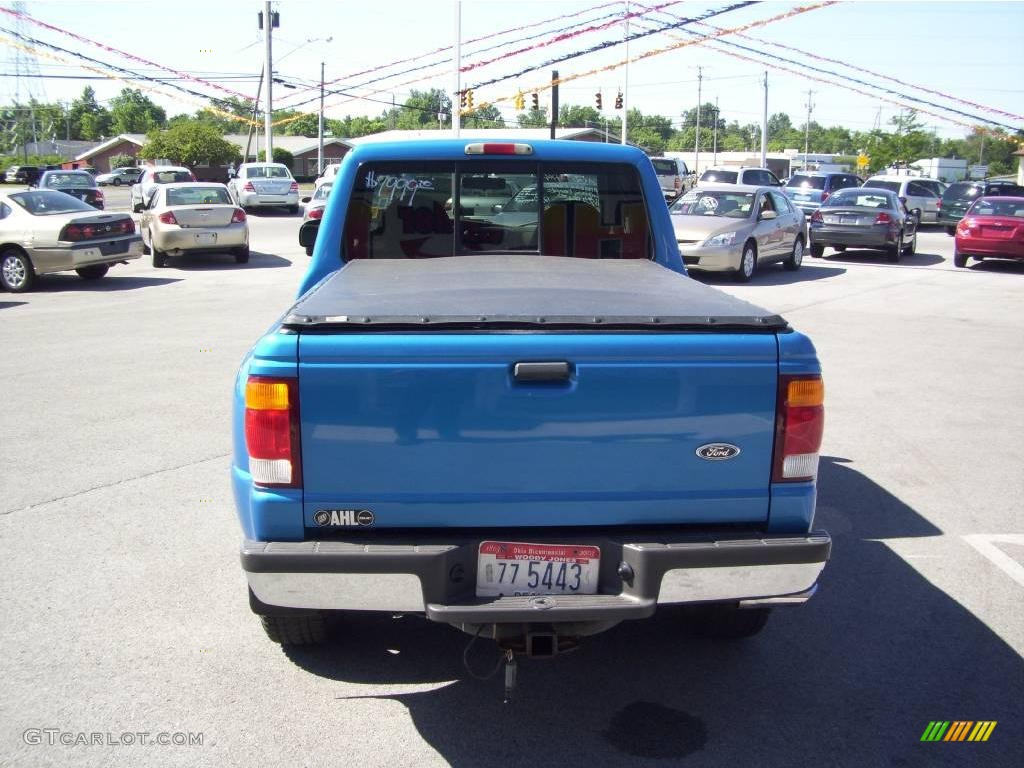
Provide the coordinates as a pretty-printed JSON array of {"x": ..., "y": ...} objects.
[{"x": 958, "y": 730}]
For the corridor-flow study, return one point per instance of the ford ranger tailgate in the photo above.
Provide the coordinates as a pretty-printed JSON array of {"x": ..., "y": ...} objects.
[{"x": 562, "y": 392}]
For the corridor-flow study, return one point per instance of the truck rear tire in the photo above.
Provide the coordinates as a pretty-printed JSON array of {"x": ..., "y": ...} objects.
[
  {"x": 303, "y": 629},
  {"x": 727, "y": 622}
]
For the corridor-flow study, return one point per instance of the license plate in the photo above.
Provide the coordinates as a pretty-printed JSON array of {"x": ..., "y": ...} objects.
[
  {"x": 847, "y": 219},
  {"x": 109, "y": 249},
  {"x": 206, "y": 238},
  {"x": 517, "y": 568}
]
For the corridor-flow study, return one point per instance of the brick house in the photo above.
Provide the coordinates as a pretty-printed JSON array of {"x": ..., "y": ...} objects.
[{"x": 99, "y": 156}]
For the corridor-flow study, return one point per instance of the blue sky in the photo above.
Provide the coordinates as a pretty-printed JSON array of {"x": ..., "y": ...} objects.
[{"x": 966, "y": 50}]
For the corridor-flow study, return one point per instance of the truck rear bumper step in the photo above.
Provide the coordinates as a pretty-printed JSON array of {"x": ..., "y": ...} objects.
[{"x": 438, "y": 579}]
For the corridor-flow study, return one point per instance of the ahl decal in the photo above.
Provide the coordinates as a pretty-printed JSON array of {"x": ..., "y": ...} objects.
[{"x": 351, "y": 518}]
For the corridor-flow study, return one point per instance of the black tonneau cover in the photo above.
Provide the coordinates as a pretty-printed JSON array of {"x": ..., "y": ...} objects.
[{"x": 510, "y": 292}]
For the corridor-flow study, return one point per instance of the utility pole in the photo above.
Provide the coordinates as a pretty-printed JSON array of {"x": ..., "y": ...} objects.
[
  {"x": 807, "y": 128},
  {"x": 714, "y": 160},
  {"x": 320, "y": 128},
  {"x": 268, "y": 117},
  {"x": 625, "y": 90},
  {"x": 696, "y": 140},
  {"x": 554, "y": 101},
  {"x": 764, "y": 125},
  {"x": 252, "y": 122},
  {"x": 457, "y": 96},
  {"x": 981, "y": 155}
]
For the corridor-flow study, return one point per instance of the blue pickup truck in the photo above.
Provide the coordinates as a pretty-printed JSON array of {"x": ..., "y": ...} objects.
[{"x": 500, "y": 403}]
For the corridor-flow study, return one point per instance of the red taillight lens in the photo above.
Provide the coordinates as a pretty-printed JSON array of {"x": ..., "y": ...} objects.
[
  {"x": 88, "y": 231},
  {"x": 938, "y": 204},
  {"x": 316, "y": 213},
  {"x": 72, "y": 232},
  {"x": 127, "y": 226},
  {"x": 167, "y": 218},
  {"x": 99, "y": 196},
  {"x": 816, "y": 218},
  {"x": 249, "y": 187},
  {"x": 294, "y": 187},
  {"x": 824, "y": 196},
  {"x": 800, "y": 423},
  {"x": 883, "y": 218},
  {"x": 238, "y": 217},
  {"x": 272, "y": 431}
]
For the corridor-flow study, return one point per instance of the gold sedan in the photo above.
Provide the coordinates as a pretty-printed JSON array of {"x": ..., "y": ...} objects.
[{"x": 193, "y": 216}]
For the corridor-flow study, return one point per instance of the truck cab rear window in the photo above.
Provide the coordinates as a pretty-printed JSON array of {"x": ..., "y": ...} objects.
[{"x": 426, "y": 210}]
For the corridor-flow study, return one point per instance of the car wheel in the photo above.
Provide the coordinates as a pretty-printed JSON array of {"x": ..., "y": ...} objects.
[
  {"x": 241, "y": 255},
  {"x": 116, "y": 182},
  {"x": 911, "y": 249},
  {"x": 893, "y": 252},
  {"x": 728, "y": 622},
  {"x": 159, "y": 257},
  {"x": 302, "y": 629},
  {"x": 16, "y": 272},
  {"x": 951, "y": 231},
  {"x": 817, "y": 251},
  {"x": 959, "y": 259},
  {"x": 796, "y": 258},
  {"x": 748, "y": 263},
  {"x": 839, "y": 248},
  {"x": 95, "y": 272}
]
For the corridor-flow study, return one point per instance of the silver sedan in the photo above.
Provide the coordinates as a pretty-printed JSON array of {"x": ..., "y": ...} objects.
[
  {"x": 193, "y": 216},
  {"x": 44, "y": 231},
  {"x": 736, "y": 228}
]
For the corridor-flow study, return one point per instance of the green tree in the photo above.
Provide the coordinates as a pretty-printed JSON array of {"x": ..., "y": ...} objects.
[
  {"x": 122, "y": 161},
  {"x": 89, "y": 121},
  {"x": 535, "y": 118},
  {"x": 575, "y": 116},
  {"x": 353, "y": 127},
  {"x": 279, "y": 155},
  {"x": 133, "y": 112},
  {"x": 190, "y": 144},
  {"x": 420, "y": 111},
  {"x": 484, "y": 117}
]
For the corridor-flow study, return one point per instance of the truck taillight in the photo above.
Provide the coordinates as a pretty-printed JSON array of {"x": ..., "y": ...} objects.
[
  {"x": 799, "y": 424},
  {"x": 272, "y": 431}
]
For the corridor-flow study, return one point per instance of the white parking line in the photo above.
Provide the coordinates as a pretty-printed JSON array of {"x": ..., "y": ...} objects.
[{"x": 986, "y": 545}]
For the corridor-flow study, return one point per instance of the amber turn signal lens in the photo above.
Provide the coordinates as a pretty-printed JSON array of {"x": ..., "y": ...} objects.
[
  {"x": 805, "y": 392},
  {"x": 264, "y": 395}
]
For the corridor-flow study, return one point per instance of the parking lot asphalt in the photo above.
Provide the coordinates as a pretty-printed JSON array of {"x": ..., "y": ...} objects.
[{"x": 123, "y": 606}]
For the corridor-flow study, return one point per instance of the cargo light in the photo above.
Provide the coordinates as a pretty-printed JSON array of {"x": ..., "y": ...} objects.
[
  {"x": 272, "y": 431},
  {"x": 800, "y": 423},
  {"x": 498, "y": 149}
]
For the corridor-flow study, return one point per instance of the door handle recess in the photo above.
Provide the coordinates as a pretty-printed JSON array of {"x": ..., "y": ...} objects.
[{"x": 548, "y": 371}]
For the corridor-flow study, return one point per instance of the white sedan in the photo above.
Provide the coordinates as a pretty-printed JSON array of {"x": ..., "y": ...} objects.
[
  {"x": 193, "y": 216},
  {"x": 44, "y": 231}
]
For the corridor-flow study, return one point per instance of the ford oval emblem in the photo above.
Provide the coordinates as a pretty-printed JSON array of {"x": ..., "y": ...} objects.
[{"x": 718, "y": 451}]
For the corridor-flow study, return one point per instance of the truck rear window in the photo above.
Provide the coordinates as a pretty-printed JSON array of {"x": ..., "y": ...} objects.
[{"x": 433, "y": 209}]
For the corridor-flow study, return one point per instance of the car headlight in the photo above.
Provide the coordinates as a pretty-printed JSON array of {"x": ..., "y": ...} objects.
[{"x": 719, "y": 241}]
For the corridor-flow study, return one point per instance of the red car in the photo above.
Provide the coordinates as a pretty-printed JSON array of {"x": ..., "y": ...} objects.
[{"x": 992, "y": 228}]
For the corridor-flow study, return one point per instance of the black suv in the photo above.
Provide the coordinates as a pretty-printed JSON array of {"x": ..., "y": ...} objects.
[
  {"x": 22, "y": 174},
  {"x": 958, "y": 198}
]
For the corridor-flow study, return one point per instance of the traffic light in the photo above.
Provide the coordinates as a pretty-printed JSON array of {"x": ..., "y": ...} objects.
[
  {"x": 520, "y": 101},
  {"x": 469, "y": 98},
  {"x": 462, "y": 99},
  {"x": 536, "y": 101},
  {"x": 597, "y": 97},
  {"x": 618, "y": 101}
]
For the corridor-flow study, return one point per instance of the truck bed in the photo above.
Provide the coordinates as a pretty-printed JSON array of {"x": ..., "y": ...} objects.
[{"x": 489, "y": 293}]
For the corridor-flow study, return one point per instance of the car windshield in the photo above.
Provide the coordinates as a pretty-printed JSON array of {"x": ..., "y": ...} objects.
[
  {"x": 405, "y": 210},
  {"x": 892, "y": 186},
  {"x": 997, "y": 207},
  {"x": 665, "y": 166},
  {"x": 171, "y": 177},
  {"x": 810, "y": 182},
  {"x": 198, "y": 196},
  {"x": 268, "y": 172},
  {"x": 47, "y": 203},
  {"x": 733, "y": 205},
  {"x": 858, "y": 197},
  {"x": 726, "y": 177},
  {"x": 68, "y": 180}
]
